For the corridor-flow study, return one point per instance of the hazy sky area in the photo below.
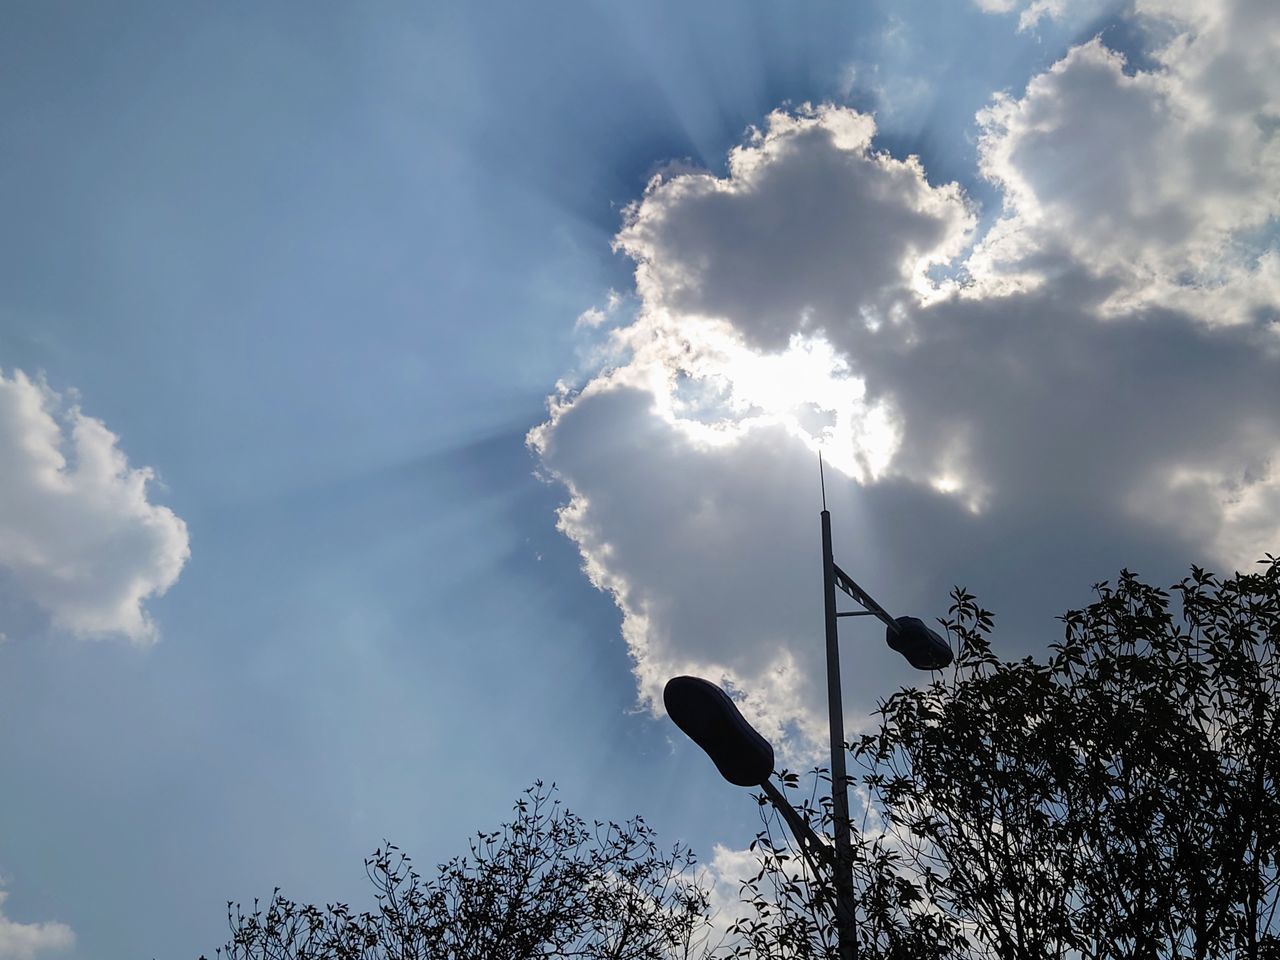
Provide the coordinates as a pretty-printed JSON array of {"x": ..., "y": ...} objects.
[{"x": 392, "y": 397}]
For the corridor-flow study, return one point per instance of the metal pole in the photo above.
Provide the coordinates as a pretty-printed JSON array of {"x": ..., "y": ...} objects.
[
  {"x": 814, "y": 849},
  {"x": 846, "y": 924}
]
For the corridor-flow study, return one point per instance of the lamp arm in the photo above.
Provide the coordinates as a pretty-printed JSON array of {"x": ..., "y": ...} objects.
[
  {"x": 811, "y": 845},
  {"x": 868, "y": 602},
  {"x": 810, "y": 842}
]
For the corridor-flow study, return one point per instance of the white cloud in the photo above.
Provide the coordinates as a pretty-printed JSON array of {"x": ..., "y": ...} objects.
[
  {"x": 1165, "y": 180},
  {"x": 1067, "y": 412},
  {"x": 27, "y": 941},
  {"x": 896, "y": 96},
  {"x": 1031, "y": 13},
  {"x": 79, "y": 537},
  {"x": 858, "y": 229},
  {"x": 594, "y": 317}
]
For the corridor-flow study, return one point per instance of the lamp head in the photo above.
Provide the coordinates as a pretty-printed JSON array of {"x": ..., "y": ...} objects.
[
  {"x": 711, "y": 719},
  {"x": 920, "y": 644}
]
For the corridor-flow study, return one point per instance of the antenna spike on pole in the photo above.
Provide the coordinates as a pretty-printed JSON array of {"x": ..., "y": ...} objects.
[{"x": 822, "y": 480}]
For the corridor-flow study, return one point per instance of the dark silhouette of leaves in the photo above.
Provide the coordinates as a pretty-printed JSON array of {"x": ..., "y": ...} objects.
[
  {"x": 547, "y": 884},
  {"x": 1116, "y": 800}
]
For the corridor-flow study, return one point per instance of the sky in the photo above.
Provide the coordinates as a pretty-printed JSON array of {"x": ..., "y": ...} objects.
[{"x": 392, "y": 398}]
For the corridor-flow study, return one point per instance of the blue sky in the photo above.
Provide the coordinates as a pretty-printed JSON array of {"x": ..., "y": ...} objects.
[{"x": 319, "y": 271}]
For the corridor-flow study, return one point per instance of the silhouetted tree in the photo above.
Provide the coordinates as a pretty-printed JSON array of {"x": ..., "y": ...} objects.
[
  {"x": 547, "y": 884},
  {"x": 1116, "y": 800}
]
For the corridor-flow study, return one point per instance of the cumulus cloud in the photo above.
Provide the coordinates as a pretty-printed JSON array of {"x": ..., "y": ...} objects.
[
  {"x": 855, "y": 230},
  {"x": 1101, "y": 387},
  {"x": 28, "y": 941},
  {"x": 1166, "y": 180},
  {"x": 79, "y": 537}
]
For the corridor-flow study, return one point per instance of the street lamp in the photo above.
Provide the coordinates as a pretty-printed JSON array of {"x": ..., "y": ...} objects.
[{"x": 711, "y": 720}]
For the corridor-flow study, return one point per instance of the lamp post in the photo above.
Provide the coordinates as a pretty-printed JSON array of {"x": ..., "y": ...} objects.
[{"x": 711, "y": 719}]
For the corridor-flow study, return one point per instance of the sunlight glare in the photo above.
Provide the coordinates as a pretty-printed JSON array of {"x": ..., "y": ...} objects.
[{"x": 717, "y": 388}]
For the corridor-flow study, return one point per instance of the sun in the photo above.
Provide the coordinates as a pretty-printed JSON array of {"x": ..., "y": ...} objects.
[{"x": 714, "y": 388}]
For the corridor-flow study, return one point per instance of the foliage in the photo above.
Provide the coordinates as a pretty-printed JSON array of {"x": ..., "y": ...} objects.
[
  {"x": 1118, "y": 799},
  {"x": 548, "y": 884},
  {"x": 791, "y": 901}
]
